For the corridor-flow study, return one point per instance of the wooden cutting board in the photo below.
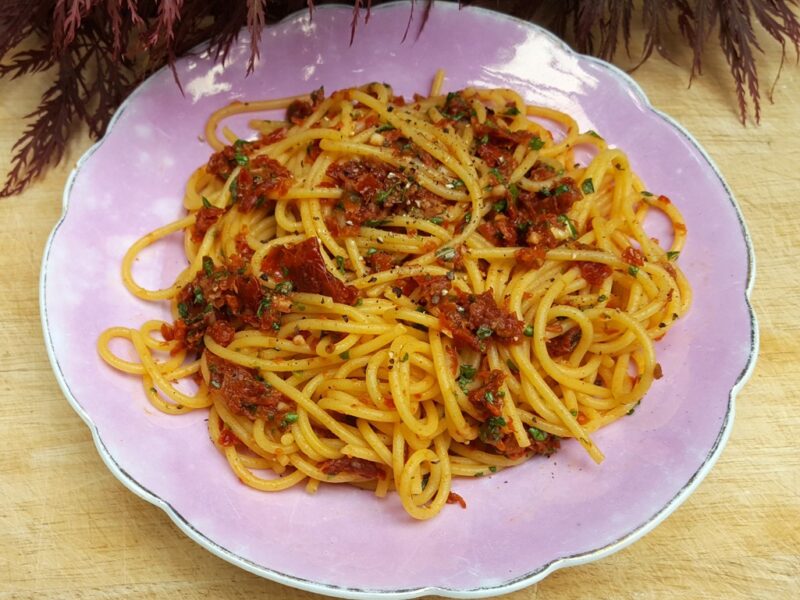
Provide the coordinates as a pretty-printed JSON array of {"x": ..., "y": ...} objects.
[{"x": 69, "y": 529}]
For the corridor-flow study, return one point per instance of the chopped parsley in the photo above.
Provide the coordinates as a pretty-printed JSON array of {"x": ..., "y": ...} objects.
[
  {"x": 446, "y": 254},
  {"x": 383, "y": 195},
  {"x": 466, "y": 373},
  {"x": 602, "y": 298},
  {"x": 645, "y": 193},
  {"x": 570, "y": 225},
  {"x": 497, "y": 174},
  {"x": 385, "y": 127},
  {"x": 208, "y": 265},
  {"x": 561, "y": 189},
  {"x": 376, "y": 222},
  {"x": 528, "y": 331},
  {"x": 206, "y": 202},
  {"x": 289, "y": 418},
  {"x": 284, "y": 287},
  {"x": 491, "y": 429},
  {"x": 263, "y": 305},
  {"x": 183, "y": 310},
  {"x": 537, "y": 434},
  {"x": 633, "y": 271},
  {"x": 345, "y": 355},
  {"x": 593, "y": 133},
  {"x": 587, "y": 186},
  {"x": 483, "y": 332},
  {"x": 340, "y": 264},
  {"x": 500, "y": 206},
  {"x": 673, "y": 255},
  {"x": 512, "y": 366},
  {"x": 405, "y": 357},
  {"x": 456, "y": 183},
  {"x": 436, "y": 220},
  {"x": 198, "y": 296},
  {"x": 512, "y": 111},
  {"x": 514, "y": 191},
  {"x": 536, "y": 143}
]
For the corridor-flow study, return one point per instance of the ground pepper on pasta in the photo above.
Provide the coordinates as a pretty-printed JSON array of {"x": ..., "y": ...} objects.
[{"x": 393, "y": 293}]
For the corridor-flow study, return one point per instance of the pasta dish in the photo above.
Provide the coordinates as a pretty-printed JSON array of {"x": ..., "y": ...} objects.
[{"x": 392, "y": 293}]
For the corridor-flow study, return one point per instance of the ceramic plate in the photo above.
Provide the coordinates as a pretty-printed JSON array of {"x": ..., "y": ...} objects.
[{"x": 520, "y": 524}]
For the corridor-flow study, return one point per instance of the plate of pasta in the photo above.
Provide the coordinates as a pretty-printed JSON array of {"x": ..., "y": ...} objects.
[{"x": 389, "y": 320}]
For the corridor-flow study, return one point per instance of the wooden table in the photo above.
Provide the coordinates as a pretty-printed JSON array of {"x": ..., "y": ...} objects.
[{"x": 69, "y": 529}]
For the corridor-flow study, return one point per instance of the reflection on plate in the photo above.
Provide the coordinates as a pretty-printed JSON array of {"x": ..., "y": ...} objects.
[{"x": 521, "y": 524}]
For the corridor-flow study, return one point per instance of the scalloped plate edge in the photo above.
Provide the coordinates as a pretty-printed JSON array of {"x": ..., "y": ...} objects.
[{"x": 520, "y": 582}]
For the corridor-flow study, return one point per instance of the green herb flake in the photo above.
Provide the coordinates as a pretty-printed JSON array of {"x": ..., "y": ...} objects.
[
  {"x": 536, "y": 143},
  {"x": 198, "y": 296},
  {"x": 371, "y": 251},
  {"x": 284, "y": 287},
  {"x": 593, "y": 133},
  {"x": 466, "y": 373},
  {"x": 512, "y": 111},
  {"x": 673, "y": 255},
  {"x": 602, "y": 298},
  {"x": 497, "y": 174},
  {"x": 447, "y": 254},
  {"x": 385, "y": 127},
  {"x": 263, "y": 305},
  {"x": 500, "y": 206},
  {"x": 468, "y": 217},
  {"x": 633, "y": 271},
  {"x": 645, "y": 193},
  {"x": 345, "y": 355},
  {"x": 340, "y": 264},
  {"x": 183, "y": 310},
  {"x": 493, "y": 469},
  {"x": 587, "y": 186},
  {"x": 405, "y": 357},
  {"x": 483, "y": 332},
  {"x": 561, "y": 189},
  {"x": 512, "y": 366},
  {"x": 383, "y": 195},
  {"x": 206, "y": 202},
  {"x": 570, "y": 225},
  {"x": 537, "y": 434},
  {"x": 528, "y": 331},
  {"x": 208, "y": 265},
  {"x": 436, "y": 220},
  {"x": 242, "y": 160},
  {"x": 290, "y": 418},
  {"x": 455, "y": 184},
  {"x": 234, "y": 188},
  {"x": 514, "y": 191}
]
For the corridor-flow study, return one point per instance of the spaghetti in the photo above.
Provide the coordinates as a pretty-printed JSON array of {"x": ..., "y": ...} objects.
[{"x": 394, "y": 293}]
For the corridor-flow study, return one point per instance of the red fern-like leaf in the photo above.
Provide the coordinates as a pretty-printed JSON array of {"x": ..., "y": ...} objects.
[{"x": 99, "y": 50}]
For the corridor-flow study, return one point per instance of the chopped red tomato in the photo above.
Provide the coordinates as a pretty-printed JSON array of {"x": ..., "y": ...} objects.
[
  {"x": 364, "y": 469},
  {"x": 302, "y": 264},
  {"x": 244, "y": 393}
]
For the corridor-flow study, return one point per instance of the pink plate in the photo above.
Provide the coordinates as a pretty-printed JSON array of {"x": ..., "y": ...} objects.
[{"x": 521, "y": 524}]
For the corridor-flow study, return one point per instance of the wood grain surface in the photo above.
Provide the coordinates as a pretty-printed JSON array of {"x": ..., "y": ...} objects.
[{"x": 69, "y": 529}]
